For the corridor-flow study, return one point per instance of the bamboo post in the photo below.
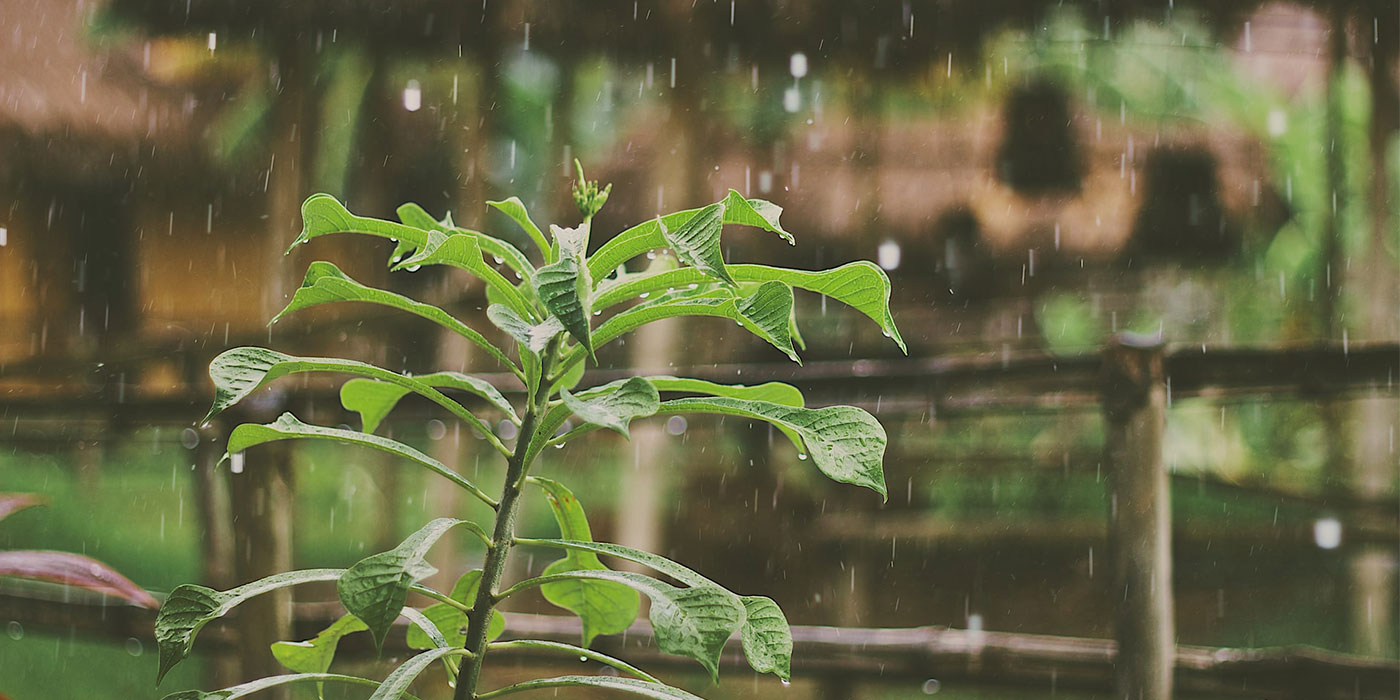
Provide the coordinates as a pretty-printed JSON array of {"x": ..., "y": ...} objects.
[{"x": 1134, "y": 398}]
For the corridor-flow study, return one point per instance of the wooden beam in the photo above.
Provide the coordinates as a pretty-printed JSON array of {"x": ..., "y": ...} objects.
[
  {"x": 999, "y": 659},
  {"x": 1134, "y": 400}
]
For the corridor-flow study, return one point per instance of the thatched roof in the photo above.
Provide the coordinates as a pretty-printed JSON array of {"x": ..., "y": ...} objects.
[
  {"x": 74, "y": 104},
  {"x": 888, "y": 32}
]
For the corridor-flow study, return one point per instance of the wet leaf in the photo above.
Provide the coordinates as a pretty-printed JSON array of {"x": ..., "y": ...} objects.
[
  {"x": 697, "y": 242},
  {"x": 515, "y": 209},
  {"x": 604, "y": 607},
  {"x": 766, "y": 636},
  {"x": 631, "y": 686},
  {"x": 402, "y": 677},
  {"x": 648, "y": 236},
  {"x": 495, "y": 247},
  {"x": 373, "y": 399},
  {"x": 376, "y": 588},
  {"x": 754, "y": 212},
  {"x": 316, "y": 654},
  {"x": 564, "y": 289},
  {"x": 534, "y": 336},
  {"x": 846, "y": 443},
  {"x": 74, "y": 570},
  {"x": 189, "y": 607},
  {"x": 261, "y": 684},
  {"x": 287, "y": 427},
  {"x": 861, "y": 285},
  {"x": 464, "y": 252},
  {"x": 615, "y": 409},
  {"x": 764, "y": 313},
  {"x": 693, "y": 622},
  {"x": 451, "y": 621},
  {"x": 325, "y": 283}
]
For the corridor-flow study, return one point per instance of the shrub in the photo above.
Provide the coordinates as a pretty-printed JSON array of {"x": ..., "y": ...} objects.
[{"x": 550, "y": 315}]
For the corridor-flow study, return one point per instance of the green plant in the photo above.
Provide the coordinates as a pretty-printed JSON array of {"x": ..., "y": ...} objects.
[{"x": 549, "y": 314}]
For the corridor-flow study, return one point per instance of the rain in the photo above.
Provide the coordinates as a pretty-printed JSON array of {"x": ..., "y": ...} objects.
[{"x": 1119, "y": 289}]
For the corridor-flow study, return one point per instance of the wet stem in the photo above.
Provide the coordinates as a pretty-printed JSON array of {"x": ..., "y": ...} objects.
[{"x": 503, "y": 534}]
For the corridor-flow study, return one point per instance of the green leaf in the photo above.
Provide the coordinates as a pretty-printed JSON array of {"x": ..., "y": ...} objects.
[
  {"x": 693, "y": 622},
  {"x": 463, "y": 251},
  {"x": 515, "y": 209},
  {"x": 428, "y": 628},
  {"x": 697, "y": 242},
  {"x": 764, "y": 313},
  {"x": 497, "y": 248},
  {"x": 241, "y": 371},
  {"x": 189, "y": 607},
  {"x": 861, "y": 285},
  {"x": 646, "y": 689},
  {"x": 287, "y": 427},
  {"x": 603, "y": 607},
  {"x": 564, "y": 289},
  {"x": 775, "y": 392},
  {"x": 846, "y": 443},
  {"x": 451, "y": 621},
  {"x": 261, "y": 684},
  {"x": 754, "y": 212},
  {"x": 654, "y": 561},
  {"x": 647, "y": 235},
  {"x": 325, "y": 284},
  {"x": 571, "y": 241},
  {"x": 397, "y": 682},
  {"x": 323, "y": 215},
  {"x": 633, "y": 398},
  {"x": 373, "y": 399},
  {"x": 315, "y": 655},
  {"x": 376, "y": 588},
  {"x": 766, "y": 636},
  {"x": 571, "y": 650},
  {"x": 534, "y": 336}
]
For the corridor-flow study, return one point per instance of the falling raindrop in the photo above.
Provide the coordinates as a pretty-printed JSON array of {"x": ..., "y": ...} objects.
[
  {"x": 413, "y": 96},
  {"x": 888, "y": 254},
  {"x": 797, "y": 65},
  {"x": 1327, "y": 533},
  {"x": 15, "y": 630},
  {"x": 675, "y": 425},
  {"x": 931, "y": 686},
  {"x": 189, "y": 438},
  {"x": 133, "y": 645},
  {"x": 792, "y": 99},
  {"x": 235, "y": 463}
]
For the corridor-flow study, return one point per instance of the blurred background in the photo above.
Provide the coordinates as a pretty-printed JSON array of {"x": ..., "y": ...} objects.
[{"x": 1033, "y": 175}]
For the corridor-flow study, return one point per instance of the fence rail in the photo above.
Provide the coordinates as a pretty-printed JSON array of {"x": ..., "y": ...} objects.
[{"x": 893, "y": 656}]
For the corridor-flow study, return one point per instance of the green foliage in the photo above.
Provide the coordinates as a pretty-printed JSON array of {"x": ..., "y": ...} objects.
[{"x": 548, "y": 314}]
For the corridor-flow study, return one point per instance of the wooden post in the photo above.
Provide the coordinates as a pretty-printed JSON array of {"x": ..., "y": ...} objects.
[
  {"x": 1134, "y": 404},
  {"x": 262, "y": 525}
]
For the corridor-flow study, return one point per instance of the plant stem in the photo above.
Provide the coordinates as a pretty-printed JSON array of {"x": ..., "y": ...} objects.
[{"x": 503, "y": 535}]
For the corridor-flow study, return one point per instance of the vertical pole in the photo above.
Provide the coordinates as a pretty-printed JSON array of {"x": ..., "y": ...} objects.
[
  {"x": 1376, "y": 293},
  {"x": 1134, "y": 398},
  {"x": 211, "y": 492},
  {"x": 261, "y": 496},
  {"x": 262, "y": 525}
]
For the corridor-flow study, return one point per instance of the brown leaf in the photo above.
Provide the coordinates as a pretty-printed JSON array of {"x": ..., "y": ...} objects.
[
  {"x": 73, "y": 570},
  {"x": 15, "y": 502}
]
